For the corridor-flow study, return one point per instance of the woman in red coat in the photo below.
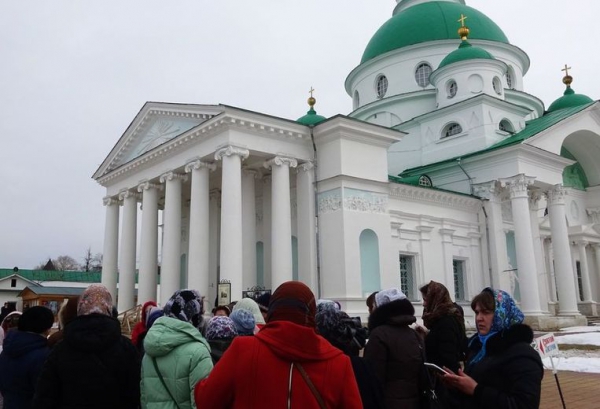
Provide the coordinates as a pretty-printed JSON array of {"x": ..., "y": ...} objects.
[{"x": 264, "y": 371}]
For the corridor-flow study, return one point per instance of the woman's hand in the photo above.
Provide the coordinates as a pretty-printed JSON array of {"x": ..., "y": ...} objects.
[{"x": 461, "y": 382}]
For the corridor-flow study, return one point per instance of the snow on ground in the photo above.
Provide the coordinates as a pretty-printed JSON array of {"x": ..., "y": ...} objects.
[{"x": 577, "y": 360}]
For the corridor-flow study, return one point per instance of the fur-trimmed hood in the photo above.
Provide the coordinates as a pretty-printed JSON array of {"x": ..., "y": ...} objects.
[
  {"x": 503, "y": 340},
  {"x": 396, "y": 313}
]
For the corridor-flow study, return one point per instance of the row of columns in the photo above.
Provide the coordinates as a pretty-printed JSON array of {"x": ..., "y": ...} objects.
[
  {"x": 523, "y": 221},
  {"x": 237, "y": 230}
]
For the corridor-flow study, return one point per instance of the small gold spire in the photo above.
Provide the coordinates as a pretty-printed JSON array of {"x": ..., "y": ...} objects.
[
  {"x": 311, "y": 101},
  {"x": 567, "y": 79},
  {"x": 463, "y": 31}
]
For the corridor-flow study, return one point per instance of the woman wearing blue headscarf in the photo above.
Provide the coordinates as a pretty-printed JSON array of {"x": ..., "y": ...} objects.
[{"x": 502, "y": 369}]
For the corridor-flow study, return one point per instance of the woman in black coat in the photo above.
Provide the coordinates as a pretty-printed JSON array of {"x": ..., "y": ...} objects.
[
  {"x": 394, "y": 350},
  {"x": 502, "y": 370},
  {"x": 94, "y": 366},
  {"x": 446, "y": 342}
]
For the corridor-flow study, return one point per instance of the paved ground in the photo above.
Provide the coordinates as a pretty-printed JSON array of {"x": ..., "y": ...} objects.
[{"x": 580, "y": 390}]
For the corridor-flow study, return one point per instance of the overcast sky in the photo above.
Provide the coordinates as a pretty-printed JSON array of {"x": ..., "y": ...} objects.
[{"x": 73, "y": 74}]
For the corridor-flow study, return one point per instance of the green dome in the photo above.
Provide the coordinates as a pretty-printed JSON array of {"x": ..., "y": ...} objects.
[
  {"x": 569, "y": 100},
  {"x": 466, "y": 52},
  {"x": 436, "y": 20},
  {"x": 311, "y": 118}
]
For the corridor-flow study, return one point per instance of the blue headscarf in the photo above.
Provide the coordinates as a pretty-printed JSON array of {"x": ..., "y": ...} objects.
[{"x": 506, "y": 315}]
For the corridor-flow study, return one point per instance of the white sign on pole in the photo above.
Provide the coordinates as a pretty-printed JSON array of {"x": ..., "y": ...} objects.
[{"x": 545, "y": 345}]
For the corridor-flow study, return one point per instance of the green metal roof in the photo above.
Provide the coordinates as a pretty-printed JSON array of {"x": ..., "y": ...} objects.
[
  {"x": 466, "y": 52},
  {"x": 39, "y": 290},
  {"x": 311, "y": 118},
  {"x": 532, "y": 128},
  {"x": 44, "y": 275},
  {"x": 431, "y": 21},
  {"x": 569, "y": 100}
]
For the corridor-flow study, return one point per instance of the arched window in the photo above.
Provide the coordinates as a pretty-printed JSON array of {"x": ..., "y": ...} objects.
[
  {"x": 509, "y": 78},
  {"x": 369, "y": 261},
  {"x": 356, "y": 100},
  {"x": 425, "y": 180},
  {"x": 506, "y": 126},
  {"x": 381, "y": 85},
  {"x": 451, "y": 130},
  {"x": 422, "y": 74}
]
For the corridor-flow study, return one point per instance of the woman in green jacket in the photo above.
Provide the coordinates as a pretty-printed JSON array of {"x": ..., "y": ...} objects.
[{"x": 177, "y": 355}]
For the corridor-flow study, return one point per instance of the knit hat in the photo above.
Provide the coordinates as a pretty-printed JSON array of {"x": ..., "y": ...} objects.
[
  {"x": 154, "y": 314},
  {"x": 220, "y": 328},
  {"x": 96, "y": 299},
  {"x": 386, "y": 296},
  {"x": 293, "y": 301},
  {"x": 185, "y": 305},
  {"x": 36, "y": 319},
  {"x": 244, "y": 321},
  {"x": 250, "y": 305}
]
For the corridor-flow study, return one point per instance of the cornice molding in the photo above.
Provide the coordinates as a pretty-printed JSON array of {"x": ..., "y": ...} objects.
[{"x": 435, "y": 196}]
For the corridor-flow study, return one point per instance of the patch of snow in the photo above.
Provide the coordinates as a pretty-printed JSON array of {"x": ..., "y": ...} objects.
[
  {"x": 579, "y": 339},
  {"x": 583, "y": 362},
  {"x": 580, "y": 329}
]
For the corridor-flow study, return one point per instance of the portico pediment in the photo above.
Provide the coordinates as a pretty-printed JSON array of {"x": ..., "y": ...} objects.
[{"x": 154, "y": 125}]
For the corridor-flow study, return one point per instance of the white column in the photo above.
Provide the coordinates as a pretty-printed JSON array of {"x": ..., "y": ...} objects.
[
  {"x": 496, "y": 235},
  {"x": 231, "y": 217},
  {"x": 585, "y": 271},
  {"x": 448, "y": 266},
  {"x": 214, "y": 251},
  {"x": 519, "y": 199},
  {"x": 307, "y": 242},
  {"x": 281, "y": 219},
  {"x": 148, "y": 274},
  {"x": 563, "y": 266},
  {"x": 249, "y": 227},
  {"x": 171, "y": 255},
  {"x": 198, "y": 255},
  {"x": 110, "y": 260},
  {"x": 534, "y": 198},
  {"x": 128, "y": 251},
  {"x": 266, "y": 234},
  {"x": 550, "y": 268}
]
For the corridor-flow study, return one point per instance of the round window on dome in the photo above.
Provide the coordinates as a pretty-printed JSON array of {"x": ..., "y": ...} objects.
[
  {"x": 497, "y": 85},
  {"x": 452, "y": 129},
  {"x": 451, "y": 88},
  {"x": 422, "y": 74},
  {"x": 425, "y": 180},
  {"x": 356, "y": 100},
  {"x": 381, "y": 85}
]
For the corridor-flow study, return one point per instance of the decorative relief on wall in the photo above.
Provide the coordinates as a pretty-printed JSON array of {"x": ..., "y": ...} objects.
[
  {"x": 330, "y": 201},
  {"x": 363, "y": 201}
]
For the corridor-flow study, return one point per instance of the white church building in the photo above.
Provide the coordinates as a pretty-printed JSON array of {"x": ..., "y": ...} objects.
[{"x": 445, "y": 170}]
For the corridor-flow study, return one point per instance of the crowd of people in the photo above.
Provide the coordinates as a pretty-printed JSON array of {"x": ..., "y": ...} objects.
[{"x": 290, "y": 350}]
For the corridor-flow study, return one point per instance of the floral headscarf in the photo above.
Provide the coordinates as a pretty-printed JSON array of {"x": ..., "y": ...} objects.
[
  {"x": 439, "y": 304},
  {"x": 506, "y": 314},
  {"x": 96, "y": 299},
  {"x": 185, "y": 305}
]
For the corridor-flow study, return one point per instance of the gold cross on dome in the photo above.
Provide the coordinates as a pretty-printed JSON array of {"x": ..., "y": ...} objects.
[
  {"x": 462, "y": 19},
  {"x": 311, "y": 91},
  {"x": 566, "y": 70}
]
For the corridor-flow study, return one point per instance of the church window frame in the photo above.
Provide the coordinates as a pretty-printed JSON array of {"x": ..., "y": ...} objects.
[
  {"x": 452, "y": 129},
  {"x": 497, "y": 85},
  {"x": 406, "y": 266},
  {"x": 422, "y": 73},
  {"x": 459, "y": 273},
  {"x": 451, "y": 89},
  {"x": 381, "y": 85},
  {"x": 425, "y": 181}
]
